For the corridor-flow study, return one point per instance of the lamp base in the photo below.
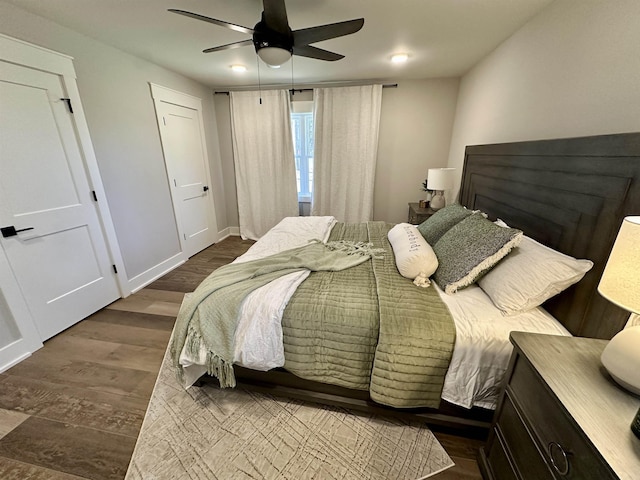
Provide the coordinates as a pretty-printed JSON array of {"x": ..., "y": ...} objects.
[
  {"x": 635, "y": 425},
  {"x": 621, "y": 358},
  {"x": 437, "y": 201}
]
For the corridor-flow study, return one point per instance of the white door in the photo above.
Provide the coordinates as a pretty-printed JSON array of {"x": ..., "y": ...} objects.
[
  {"x": 58, "y": 253},
  {"x": 18, "y": 334},
  {"x": 183, "y": 142}
]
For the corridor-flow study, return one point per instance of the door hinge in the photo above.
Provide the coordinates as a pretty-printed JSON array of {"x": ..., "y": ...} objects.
[
  {"x": 68, "y": 102},
  {"x": 115, "y": 270},
  {"x": 95, "y": 197}
]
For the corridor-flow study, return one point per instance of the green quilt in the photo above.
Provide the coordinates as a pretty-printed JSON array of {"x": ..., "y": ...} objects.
[{"x": 369, "y": 328}]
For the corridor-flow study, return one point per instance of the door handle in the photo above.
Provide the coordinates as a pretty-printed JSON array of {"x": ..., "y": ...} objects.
[
  {"x": 205, "y": 188},
  {"x": 11, "y": 231}
]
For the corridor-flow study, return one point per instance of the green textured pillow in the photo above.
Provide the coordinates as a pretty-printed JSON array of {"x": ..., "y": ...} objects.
[
  {"x": 469, "y": 249},
  {"x": 440, "y": 222}
]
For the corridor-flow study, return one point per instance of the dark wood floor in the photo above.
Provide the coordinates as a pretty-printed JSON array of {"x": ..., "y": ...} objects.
[{"x": 73, "y": 410}]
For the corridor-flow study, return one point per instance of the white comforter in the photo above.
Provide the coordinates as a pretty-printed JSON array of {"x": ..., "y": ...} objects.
[{"x": 482, "y": 349}]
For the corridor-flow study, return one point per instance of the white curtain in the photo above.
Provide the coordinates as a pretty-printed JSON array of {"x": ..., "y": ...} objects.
[
  {"x": 347, "y": 121},
  {"x": 264, "y": 162}
]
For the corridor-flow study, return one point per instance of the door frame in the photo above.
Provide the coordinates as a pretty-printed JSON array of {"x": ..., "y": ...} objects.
[
  {"x": 28, "y": 55},
  {"x": 162, "y": 94}
]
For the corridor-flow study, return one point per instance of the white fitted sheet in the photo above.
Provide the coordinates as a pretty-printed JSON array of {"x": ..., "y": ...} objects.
[{"x": 482, "y": 348}]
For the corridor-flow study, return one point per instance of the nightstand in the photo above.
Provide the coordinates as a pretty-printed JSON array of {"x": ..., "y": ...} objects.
[
  {"x": 560, "y": 415},
  {"x": 418, "y": 215}
]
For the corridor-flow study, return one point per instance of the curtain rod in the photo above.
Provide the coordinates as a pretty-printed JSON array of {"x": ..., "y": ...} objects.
[{"x": 299, "y": 90}]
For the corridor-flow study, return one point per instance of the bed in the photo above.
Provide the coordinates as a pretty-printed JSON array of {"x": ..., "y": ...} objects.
[{"x": 569, "y": 195}]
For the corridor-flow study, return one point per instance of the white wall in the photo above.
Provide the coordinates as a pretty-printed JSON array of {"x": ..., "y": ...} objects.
[
  {"x": 573, "y": 70},
  {"x": 416, "y": 120},
  {"x": 114, "y": 87},
  {"x": 223, "y": 121}
]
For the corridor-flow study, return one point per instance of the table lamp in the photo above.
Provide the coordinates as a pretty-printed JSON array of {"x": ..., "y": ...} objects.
[
  {"x": 439, "y": 179},
  {"x": 620, "y": 284}
]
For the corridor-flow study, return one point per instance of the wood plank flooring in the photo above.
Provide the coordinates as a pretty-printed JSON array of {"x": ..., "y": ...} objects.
[{"x": 73, "y": 410}]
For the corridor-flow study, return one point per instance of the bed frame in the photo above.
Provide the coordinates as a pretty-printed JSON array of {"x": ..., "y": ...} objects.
[{"x": 570, "y": 194}]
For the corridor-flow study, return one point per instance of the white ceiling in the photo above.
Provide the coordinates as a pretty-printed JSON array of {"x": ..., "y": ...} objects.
[{"x": 443, "y": 37}]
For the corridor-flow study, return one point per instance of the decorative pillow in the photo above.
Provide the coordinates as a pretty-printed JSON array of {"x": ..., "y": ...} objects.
[
  {"x": 470, "y": 249},
  {"x": 414, "y": 256},
  {"x": 440, "y": 222},
  {"x": 530, "y": 275}
]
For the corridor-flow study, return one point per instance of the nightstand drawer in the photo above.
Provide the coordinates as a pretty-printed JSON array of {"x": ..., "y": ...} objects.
[
  {"x": 563, "y": 446},
  {"x": 522, "y": 448}
]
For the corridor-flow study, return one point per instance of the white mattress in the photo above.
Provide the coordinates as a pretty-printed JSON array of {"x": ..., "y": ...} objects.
[{"x": 482, "y": 349}]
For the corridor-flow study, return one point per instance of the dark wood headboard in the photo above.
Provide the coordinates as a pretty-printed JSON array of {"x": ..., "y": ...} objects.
[{"x": 569, "y": 194}]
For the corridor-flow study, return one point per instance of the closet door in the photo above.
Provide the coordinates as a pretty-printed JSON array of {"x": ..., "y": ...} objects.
[
  {"x": 185, "y": 154},
  {"x": 51, "y": 236}
]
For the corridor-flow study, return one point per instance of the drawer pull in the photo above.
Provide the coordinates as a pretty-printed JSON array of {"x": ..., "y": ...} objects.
[{"x": 558, "y": 457}]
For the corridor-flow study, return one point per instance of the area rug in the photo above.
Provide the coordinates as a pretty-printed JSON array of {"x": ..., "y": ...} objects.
[{"x": 211, "y": 433}]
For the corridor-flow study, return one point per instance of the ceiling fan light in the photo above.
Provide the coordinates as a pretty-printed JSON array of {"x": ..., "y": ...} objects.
[
  {"x": 274, "y": 56},
  {"x": 399, "y": 57}
]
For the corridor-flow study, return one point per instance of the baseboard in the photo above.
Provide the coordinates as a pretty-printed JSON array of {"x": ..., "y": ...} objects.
[
  {"x": 14, "y": 361},
  {"x": 145, "y": 278},
  {"x": 228, "y": 232}
]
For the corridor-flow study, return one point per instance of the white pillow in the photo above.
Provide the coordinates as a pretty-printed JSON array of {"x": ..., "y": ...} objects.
[
  {"x": 530, "y": 275},
  {"x": 414, "y": 256}
]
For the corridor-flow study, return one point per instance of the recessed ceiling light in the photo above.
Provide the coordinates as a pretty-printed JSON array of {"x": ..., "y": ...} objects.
[
  {"x": 238, "y": 68},
  {"x": 399, "y": 57}
]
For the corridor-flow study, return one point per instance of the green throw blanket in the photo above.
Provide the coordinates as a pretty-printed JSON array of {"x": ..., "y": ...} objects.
[{"x": 209, "y": 317}]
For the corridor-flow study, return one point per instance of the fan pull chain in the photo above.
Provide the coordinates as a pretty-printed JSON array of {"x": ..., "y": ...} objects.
[
  {"x": 259, "y": 84},
  {"x": 292, "y": 89}
]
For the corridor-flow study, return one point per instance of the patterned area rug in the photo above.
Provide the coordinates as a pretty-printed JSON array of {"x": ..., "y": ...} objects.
[{"x": 212, "y": 433}]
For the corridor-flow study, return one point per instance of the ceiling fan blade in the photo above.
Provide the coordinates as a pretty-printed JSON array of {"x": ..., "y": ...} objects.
[
  {"x": 229, "y": 46},
  {"x": 222, "y": 23},
  {"x": 317, "y": 53},
  {"x": 275, "y": 16},
  {"x": 305, "y": 36}
]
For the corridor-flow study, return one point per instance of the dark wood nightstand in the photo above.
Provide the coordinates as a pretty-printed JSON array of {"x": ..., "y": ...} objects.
[
  {"x": 418, "y": 215},
  {"x": 560, "y": 415}
]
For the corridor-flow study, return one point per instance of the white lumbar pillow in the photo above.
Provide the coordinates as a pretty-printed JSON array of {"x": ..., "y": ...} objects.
[{"x": 415, "y": 258}]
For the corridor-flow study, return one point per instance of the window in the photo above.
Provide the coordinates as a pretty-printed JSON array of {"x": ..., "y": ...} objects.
[{"x": 302, "y": 131}]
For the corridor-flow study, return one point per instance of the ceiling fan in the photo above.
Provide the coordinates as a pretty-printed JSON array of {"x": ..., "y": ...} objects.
[{"x": 273, "y": 38}]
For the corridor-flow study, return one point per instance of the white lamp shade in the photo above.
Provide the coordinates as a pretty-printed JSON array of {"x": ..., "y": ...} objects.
[
  {"x": 274, "y": 56},
  {"x": 620, "y": 282},
  {"x": 440, "y": 178}
]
